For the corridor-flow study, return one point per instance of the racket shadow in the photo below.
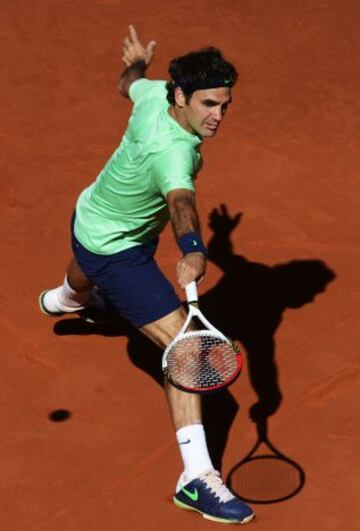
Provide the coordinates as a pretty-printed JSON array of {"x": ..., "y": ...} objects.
[{"x": 265, "y": 475}]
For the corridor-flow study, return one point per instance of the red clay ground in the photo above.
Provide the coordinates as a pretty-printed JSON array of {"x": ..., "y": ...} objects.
[{"x": 286, "y": 157}]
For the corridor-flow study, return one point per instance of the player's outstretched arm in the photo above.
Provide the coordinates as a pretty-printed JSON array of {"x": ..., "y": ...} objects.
[
  {"x": 185, "y": 221},
  {"x": 136, "y": 58}
]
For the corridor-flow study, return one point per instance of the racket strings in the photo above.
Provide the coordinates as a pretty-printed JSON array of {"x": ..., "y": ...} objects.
[{"x": 202, "y": 361}]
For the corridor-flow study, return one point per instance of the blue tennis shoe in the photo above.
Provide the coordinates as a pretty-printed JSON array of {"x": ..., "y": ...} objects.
[{"x": 209, "y": 496}]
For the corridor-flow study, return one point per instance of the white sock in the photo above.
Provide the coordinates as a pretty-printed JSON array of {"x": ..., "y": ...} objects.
[
  {"x": 194, "y": 451},
  {"x": 64, "y": 299},
  {"x": 69, "y": 297}
]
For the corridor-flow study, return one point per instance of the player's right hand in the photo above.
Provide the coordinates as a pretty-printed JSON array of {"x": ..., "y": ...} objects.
[
  {"x": 134, "y": 51},
  {"x": 191, "y": 267}
]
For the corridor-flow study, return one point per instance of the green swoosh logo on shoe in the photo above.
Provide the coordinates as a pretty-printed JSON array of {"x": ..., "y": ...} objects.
[{"x": 194, "y": 496}]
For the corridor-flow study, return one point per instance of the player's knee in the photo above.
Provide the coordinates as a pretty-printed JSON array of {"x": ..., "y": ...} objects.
[{"x": 165, "y": 329}]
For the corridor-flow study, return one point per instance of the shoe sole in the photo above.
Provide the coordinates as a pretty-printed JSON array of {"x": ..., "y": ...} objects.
[
  {"x": 44, "y": 310},
  {"x": 182, "y": 505}
]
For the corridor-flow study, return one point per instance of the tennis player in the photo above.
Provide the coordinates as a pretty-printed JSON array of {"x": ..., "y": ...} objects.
[{"x": 148, "y": 181}]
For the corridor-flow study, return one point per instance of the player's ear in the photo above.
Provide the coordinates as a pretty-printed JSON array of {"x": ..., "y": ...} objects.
[{"x": 179, "y": 97}]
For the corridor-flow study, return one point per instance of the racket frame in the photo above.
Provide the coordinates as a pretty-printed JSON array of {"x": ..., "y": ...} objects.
[{"x": 210, "y": 330}]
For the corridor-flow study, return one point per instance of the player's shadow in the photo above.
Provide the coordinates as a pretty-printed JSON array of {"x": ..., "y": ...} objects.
[{"x": 247, "y": 304}]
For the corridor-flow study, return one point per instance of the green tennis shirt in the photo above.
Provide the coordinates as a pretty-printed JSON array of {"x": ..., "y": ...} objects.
[{"x": 126, "y": 205}]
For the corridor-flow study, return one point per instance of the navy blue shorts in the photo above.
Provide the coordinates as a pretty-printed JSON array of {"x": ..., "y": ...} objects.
[{"x": 131, "y": 280}]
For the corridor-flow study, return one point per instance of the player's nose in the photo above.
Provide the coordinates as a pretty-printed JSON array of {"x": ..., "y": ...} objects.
[{"x": 217, "y": 114}]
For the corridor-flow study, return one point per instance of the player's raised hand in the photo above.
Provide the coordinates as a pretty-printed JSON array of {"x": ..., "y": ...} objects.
[{"x": 134, "y": 51}]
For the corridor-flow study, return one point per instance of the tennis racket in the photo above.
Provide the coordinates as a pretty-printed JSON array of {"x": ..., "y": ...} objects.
[
  {"x": 265, "y": 475},
  {"x": 201, "y": 360}
]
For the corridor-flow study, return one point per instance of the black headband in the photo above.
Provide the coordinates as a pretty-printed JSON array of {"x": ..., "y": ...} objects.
[{"x": 203, "y": 84}]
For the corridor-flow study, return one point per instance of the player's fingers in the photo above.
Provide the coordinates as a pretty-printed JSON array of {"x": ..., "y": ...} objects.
[
  {"x": 126, "y": 60},
  {"x": 149, "y": 52},
  {"x": 178, "y": 266},
  {"x": 127, "y": 42},
  {"x": 181, "y": 273},
  {"x": 185, "y": 276},
  {"x": 127, "y": 53},
  {"x": 133, "y": 34},
  {"x": 184, "y": 281},
  {"x": 151, "y": 47}
]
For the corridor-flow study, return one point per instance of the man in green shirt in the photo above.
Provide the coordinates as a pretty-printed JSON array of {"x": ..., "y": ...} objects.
[
  {"x": 149, "y": 180},
  {"x": 156, "y": 156}
]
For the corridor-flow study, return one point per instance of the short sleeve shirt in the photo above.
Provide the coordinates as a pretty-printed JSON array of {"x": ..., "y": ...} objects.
[{"x": 126, "y": 205}]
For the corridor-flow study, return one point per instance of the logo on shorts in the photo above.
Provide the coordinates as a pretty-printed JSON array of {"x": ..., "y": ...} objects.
[{"x": 194, "y": 243}]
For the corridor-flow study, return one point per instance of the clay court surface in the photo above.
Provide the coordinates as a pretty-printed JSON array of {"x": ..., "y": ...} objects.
[{"x": 287, "y": 158}]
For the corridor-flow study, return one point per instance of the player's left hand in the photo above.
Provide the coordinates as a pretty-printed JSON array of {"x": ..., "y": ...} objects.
[
  {"x": 191, "y": 267},
  {"x": 134, "y": 51}
]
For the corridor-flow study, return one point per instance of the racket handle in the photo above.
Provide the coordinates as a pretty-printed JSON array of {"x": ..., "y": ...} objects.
[{"x": 191, "y": 292}]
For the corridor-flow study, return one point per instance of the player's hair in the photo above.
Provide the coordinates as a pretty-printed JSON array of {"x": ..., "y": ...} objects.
[{"x": 202, "y": 69}]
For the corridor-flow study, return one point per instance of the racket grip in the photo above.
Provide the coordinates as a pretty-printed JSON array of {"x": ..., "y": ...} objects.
[{"x": 191, "y": 292}]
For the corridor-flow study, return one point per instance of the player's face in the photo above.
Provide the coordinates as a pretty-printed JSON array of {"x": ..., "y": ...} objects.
[{"x": 205, "y": 110}]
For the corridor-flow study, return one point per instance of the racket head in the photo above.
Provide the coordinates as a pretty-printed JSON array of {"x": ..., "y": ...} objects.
[
  {"x": 201, "y": 361},
  {"x": 266, "y": 478}
]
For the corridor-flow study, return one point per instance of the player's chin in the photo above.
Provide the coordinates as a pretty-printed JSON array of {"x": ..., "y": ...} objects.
[{"x": 208, "y": 132}]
